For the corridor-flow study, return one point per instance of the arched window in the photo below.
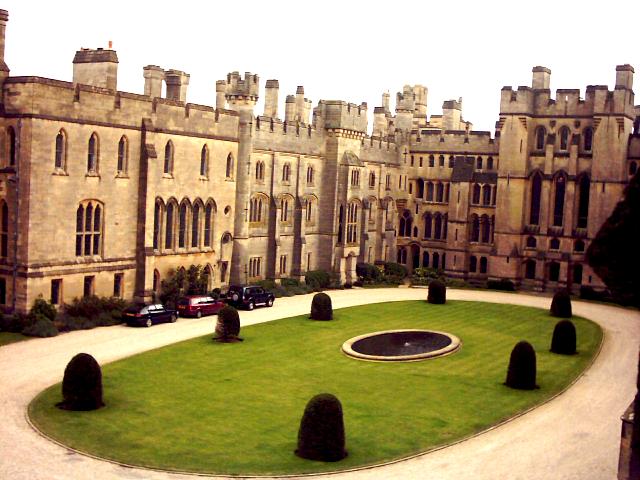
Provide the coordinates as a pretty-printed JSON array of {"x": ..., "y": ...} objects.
[
  {"x": 4, "y": 231},
  {"x": 479, "y": 163},
  {"x": 420, "y": 188},
  {"x": 156, "y": 281},
  {"x": 541, "y": 135},
  {"x": 530, "y": 269},
  {"x": 195, "y": 225},
  {"x": 445, "y": 226},
  {"x": 490, "y": 163},
  {"x": 427, "y": 225},
  {"x": 473, "y": 264},
  {"x": 554, "y": 244},
  {"x": 475, "y": 200},
  {"x": 168, "y": 158},
  {"x": 204, "y": 162},
  {"x": 182, "y": 225},
  {"x": 372, "y": 179},
  {"x": 402, "y": 255},
  {"x": 310, "y": 211},
  {"x": 436, "y": 260},
  {"x": 208, "y": 224},
  {"x": 285, "y": 212},
  {"x": 432, "y": 161},
  {"x": 260, "y": 171},
  {"x": 256, "y": 205},
  {"x": 429, "y": 192},
  {"x": 310, "y": 175},
  {"x": 452, "y": 161},
  {"x": 157, "y": 219},
  {"x": 425, "y": 259},
  {"x": 483, "y": 264},
  {"x": 286, "y": 172},
  {"x": 89, "y": 225},
  {"x": 584, "y": 185},
  {"x": 564, "y": 139},
  {"x": 578, "y": 246},
  {"x": 61, "y": 151},
  {"x": 441, "y": 160},
  {"x": 554, "y": 271},
  {"x": 340, "y": 224},
  {"x": 229, "y": 168},
  {"x": 11, "y": 137},
  {"x": 440, "y": 193},
  {"x": 446, "y": 192},
  {"x": 405, "y": 224},
  {"x": 577, "y": 273},
  {"x": 475, "y": 228},
  {"x": 531, "y": 242},
  {"x": 536, "y": 189},
  {"x": 486, "y": 228},
  {"x": 486, "y": 195},
  {"x": 588, "y": 139},
  {"x": 123, "y": 154},
  {"x": 355, "y": 177},
  {"x": 92, "y": 154},
  {"x": 168, "y": 233},
  {"x": 558, "y": 204},
  {"x": 633, "y": 168},
  {"x": 437, "y": 223},
  {"x": 352, "y": 224}
]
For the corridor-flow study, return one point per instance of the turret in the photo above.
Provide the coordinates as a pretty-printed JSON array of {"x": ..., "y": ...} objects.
[
  {"x": 451, "y": 114},
  {"x": 153, "y": 77},
  {"x": 404, "y": 108},
  {"x": 541, "y": 78},
  {"x": 242, "y": 94},
  {"x": 420, "y": 102},
  {"x": 624, "y": 76},
  {"x": 177, "y": 83},
  {"x": 221, "y": 90},
  {"x": 271, "y": 98},
  {"x": 98, "y": 68},
  {"x": 4, "y": 18}
]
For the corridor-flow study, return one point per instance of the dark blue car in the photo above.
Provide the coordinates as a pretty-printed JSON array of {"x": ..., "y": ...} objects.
[{"x": 147, "y": 315}]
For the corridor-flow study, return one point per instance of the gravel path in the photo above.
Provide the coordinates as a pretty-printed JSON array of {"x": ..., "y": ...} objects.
[{"x": 575, "y": 436}]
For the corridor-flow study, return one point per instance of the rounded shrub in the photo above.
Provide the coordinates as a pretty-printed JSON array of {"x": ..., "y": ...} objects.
[
  {"x": 321, "y": 434},
  {"x": 561, "y": 304},
  {"x": 82, "y": 384},
  {"x": 42, "y": 307},
  {"x": 228, "y": 325},
  {"x": 564, "y": 338},
  {"x": 522, "y": 367},
  {"x": 437, "y": 292},
  {"x": 40, "y": 327},
  {"x": 321, "y": 308},
  {"x": 317, "y": 279}
]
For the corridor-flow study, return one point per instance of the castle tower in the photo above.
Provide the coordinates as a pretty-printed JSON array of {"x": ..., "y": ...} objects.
[
  {"x": 541, "y": 78},
  {"x": 241, "y": 96},
  {"x": 98, "y": 68},
  {"x": 405, "y": 105},
  {"x": 451, "y": 114},
  {"x": 4, "y": 70},
  {"x": 271, "y": 98},
  {"x": 153, "y": 77},
  {"x": 177, "y": 83}
]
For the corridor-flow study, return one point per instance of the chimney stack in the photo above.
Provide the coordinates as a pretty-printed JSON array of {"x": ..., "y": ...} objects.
[
  {"x": 177, "y": 82},
  {"x": 153, "y": 77},
  {"x": 541, "y": 78},
  {"x": 271, "y": 98},
  {"x": 98, "y": 68},
  {"x": 221, "y": 91}
]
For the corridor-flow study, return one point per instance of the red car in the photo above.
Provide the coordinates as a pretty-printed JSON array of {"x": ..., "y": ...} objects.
[{"x": 198, "y": 305}]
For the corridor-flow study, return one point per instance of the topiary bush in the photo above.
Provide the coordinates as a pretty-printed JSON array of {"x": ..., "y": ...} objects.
[
  {"x": 42, "y": 307},
  {"x": 321, "y": 308},
  {"x": 564, "y": 338},
  {"x": 392, "y": 269},
  {"x": 521, "y": 373},
  {"x": 321, "y": 435},
  {"x": 437, "y": 292},
  {"x": 228, "y": 325},
  {"x": 82, "y": 384},
  {"x": 368, "y": 272},
  {"x": 41, "y": 326},
  {"x": 318, "y": 279},
  {"x": 561, "y": 304}
]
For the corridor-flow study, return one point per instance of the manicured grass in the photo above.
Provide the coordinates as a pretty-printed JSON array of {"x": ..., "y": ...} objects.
[
  {"x": 236, "y": 408},
  {"x": 8, "y": 337}
]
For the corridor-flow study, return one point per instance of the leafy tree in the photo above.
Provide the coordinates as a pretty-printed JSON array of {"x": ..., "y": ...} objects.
[{"x": 614, "y": 254}]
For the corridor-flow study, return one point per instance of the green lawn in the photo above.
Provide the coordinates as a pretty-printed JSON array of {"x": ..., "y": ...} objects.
[
  {"x": 8, "y": 337},
  {"x": 235, "y": 408}
]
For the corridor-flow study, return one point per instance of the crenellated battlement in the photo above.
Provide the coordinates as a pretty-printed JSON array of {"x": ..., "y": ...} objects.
[
  {"x": 337, "y": 114},
  {"x": 237, "y": 87},
  {"x": 453, "y": 141}
]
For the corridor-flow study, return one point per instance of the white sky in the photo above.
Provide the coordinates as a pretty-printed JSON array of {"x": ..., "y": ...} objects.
[{"x": 342, "y": 50}]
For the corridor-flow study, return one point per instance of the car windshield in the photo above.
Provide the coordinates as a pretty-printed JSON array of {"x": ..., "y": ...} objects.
[{"x": 183, "y": 301}]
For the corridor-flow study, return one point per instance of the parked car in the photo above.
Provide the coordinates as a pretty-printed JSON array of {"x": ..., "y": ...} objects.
[
  {"x": 249, "y": 296},
  {"x": 198, "y": 305},
  {"x": 147, "y": 315}
]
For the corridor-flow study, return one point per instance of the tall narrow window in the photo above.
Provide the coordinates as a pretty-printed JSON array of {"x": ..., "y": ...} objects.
[
  {"x": 168, "y": 158},
  {"x": 117, "y": 284},
  {"x": 483, "y": 264},
  {"x": 440, "y": 193},
  {"x": 473, "y": 264},
  {"x": 79, "y": 229},
  {"x": 208, "y": 212},
  {"x": 97, "y": 223},
  {"x": 541, "y": 135},
  {"x": 157, "y": 212},
  {"x": 479, "y": 163},
  {"x": 558, "y": 207},
  {"x": 310, "y": 175},
  {"x": 11, "y": 137},
  {"x": 352, "y": 223},
  {"x": 340, "y": 224},
  {"x": 195, "y": 226},
  {"x": 229, "y": 169},
  {"x": 486, "y": 228},
  {"x": 4, "y": 231},
  {"x": 486, "y": 195},
  {"x": 123, "y": 151},
  {"x": 168, "y": 234},
  {"x": 530, "y": 269},
  {"x": 437, "y": 231},
  {"x": 436, "y": 260},
  {"x": 536, "y": 189},
  {"x": 427, "y": 225},
  {"x": 588, "y": 139},
  {"x": 56, "y": 291},
  {"x": 584, "y": 185},
  {"x": 372, "y": 179},
  {"x": 475, "y": 228},
  {"x": 3, "y": 291},
  {"x": 204, "y": 162},
  {"x": 441, "y": 161},
  {"x": 490, "y": 163},
  {"x": 182, "y": 225},
  {"x": 429, "y": 192},
  {"x": 286, "y": 172},
  {"x": 475, "y": 200},
  {"x": 88, "y": 285},
  {"x": 564, "y": 138},
  {"x": 92, "y": 154},
  {"x": 59, "y": 162},
  {"x": 432, "y": 161},
  {"x": 89, "y": 229}
]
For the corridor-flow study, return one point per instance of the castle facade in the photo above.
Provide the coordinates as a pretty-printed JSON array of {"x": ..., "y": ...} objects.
[{"x": 104, "y": 192}]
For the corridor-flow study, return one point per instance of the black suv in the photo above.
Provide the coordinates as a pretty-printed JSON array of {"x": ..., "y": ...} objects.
[{"x": 249, "y": 297}]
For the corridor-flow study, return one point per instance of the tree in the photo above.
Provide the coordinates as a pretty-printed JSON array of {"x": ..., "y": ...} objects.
[
  {"x": 614, "y": 254},
  {"x": 321, "y": 435}
]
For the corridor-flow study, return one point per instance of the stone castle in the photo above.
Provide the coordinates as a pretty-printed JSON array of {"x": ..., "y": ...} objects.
[{"x": 104, "y": 192}]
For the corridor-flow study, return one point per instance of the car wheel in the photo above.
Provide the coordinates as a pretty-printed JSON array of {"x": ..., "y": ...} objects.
[
  {"x": 149, "y": 322},
  {"x": 198, "y": 314},
  {"x": 270, "y": 302},
  {"x": 250, "y": 306},
  {"x": 174, "y": 317},
  {"x": 235, "y": 297}
]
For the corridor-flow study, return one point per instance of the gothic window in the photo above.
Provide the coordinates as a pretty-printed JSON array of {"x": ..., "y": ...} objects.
[
  {"x": 554, "y": 271},
  {"x": 405, "y": 224},
  {"x": 486, "y": 228},
  {"x": 437, "y": 230},
  {"x": 61, "y": 151},
  {"x": 402, "y": 255},
  {"x": 558, "y": 204},
  {"x": 436, "y": 260},
  {"x": 440, "y": 192},
  {"x": 446, "y": 192},
  {"x": 260, "y": 171},
  {"x": 475, "y": 200},
  {"x": 310, "y": 175},
  {"x": 483, "y": 264},
  {"x": 452, "y": 161},
  {"x": 425, "y": 259},
  {"x": 541, "y": 135},
  {"x": 420, "y": 188},
  {"x": 182, "y": 225},
  {"x": 11, "y": 137},
  {"x": 123, "y": 153},
  {"x": 427, "y": 225},
  {"x": 372, "y": 180},
  {"x": 445, "y": 225},
  {"x": 530, "y": 269},
  {"x": 89, "y": 227},
  {"x": 584, "y": 185},
  {"x": 285, "y": 211},
  {"x": 577, "y": 273},
  {"x": 441, "y": 160},
  {"x": 588, "y": 139},
  {"x": 479, "y": 163},
  {"x": 531, "y": 242},
  {"x": 255, "y": 267},
  {"x": 92, "y": 154},
  {"x": 195, "y": 225},
  {"x": 536, "y": 189},
  {"x": 490, "y": 163},
  {"x": 473, "y": 264},
  {"x": 495, "y": 195},
  {"x": 340, "y": 224},
  {"x": 429, "y": 192},
  {"x": 157, "y": 218},
  {"x": 257, "y": 205},
  {"x": 286, "y": 172},
  {"x": 229, "y": 168},
  {"x": 633, "y": 168},
  {"x": 475, "y": 228},
  {"x": 352, "y": 223},
  {"x": 310, "y": 211},
  {"x": 168, "y": 233},
  {"x": 564, "y": 139},
  {"x": 355, "y": 178},
  {"x": 4, "y": 230},
  {"x": 168, "y": 158},
  {"x": 554, "y": 244},
  {"x": 208, "y": 224},
  {"x": 578, "y": 246},
  {"x": 486, "y": 195},
  {"x": 432, "y": 161},
  {"x": 204, "y": 162},
  {"x": 388, "y": 182}
]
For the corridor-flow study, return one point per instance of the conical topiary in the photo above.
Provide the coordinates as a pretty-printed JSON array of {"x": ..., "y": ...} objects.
[
  {"x": 561, "y": 304},
  {"x": 564, "y": 338},
  {"x": 437, "y": 292},
  {"x": 82, "y": 384},
  {"x": 321, "y": 308},
  {"x": 228, "y": 325},
  {"x": 321, "y": 434},
  {"x": 522, "y": 367}
]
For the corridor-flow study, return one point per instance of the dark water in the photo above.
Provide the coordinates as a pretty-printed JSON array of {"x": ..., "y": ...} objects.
[{"x": 401, "y": 343}]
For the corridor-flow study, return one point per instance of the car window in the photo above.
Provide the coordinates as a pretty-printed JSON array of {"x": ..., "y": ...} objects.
[
  {"x": 144, "y": 310},
  {"x": 259, "y": 290},
  {"x": 150, "y": 308},
  {"x": 159, "y": 308}
]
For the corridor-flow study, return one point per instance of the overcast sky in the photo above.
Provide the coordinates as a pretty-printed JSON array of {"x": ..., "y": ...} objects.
[{"x": 342, "y": 50}]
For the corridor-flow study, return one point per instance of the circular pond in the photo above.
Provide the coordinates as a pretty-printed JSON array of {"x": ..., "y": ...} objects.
[{"x": 401, "y": 345}]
